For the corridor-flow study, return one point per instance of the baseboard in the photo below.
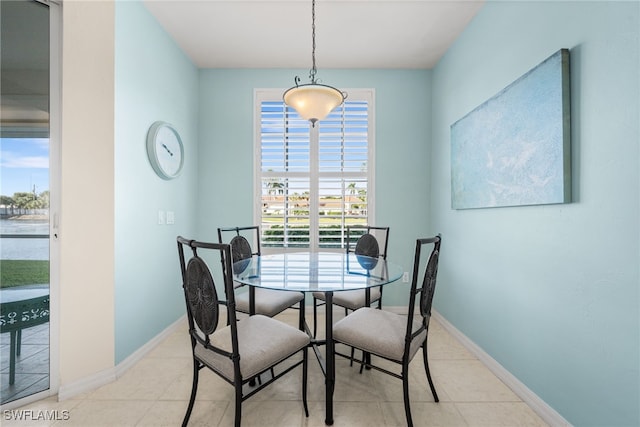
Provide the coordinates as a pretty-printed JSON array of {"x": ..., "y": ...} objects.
[
  {"x": 90, "y": 383},
  {"x": 140, "y": 353},
  {"x": 107, "y": 376},
  {"x": 539, "y": 406}
]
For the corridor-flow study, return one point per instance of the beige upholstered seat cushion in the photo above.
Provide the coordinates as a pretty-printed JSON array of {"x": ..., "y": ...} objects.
[
  {"x": 377, "y": 331},
  {"x": 262, "y": 342},
  {"x": 269, "y": 302},
  {"x": 352, "y": 299}
]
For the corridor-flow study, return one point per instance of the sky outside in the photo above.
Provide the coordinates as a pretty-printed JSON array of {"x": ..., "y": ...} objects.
[{"x": 24, "y": 162}]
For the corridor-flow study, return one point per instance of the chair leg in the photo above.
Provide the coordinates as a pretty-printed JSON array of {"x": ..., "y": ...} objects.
[
  {"x": 12, "y": 358},
  {"x": 353, "y": 355},
  {"x": 426, "y": 368},
  {"x": 301, "y": 309},
  {"x": 304, "y": 381},
  {"x": 315, "y": 317},
  {"x": 194, "y": 389},
  {"x": 19, "y": 344},
  {"x": 255, "y": 380},
  {"x": 238, "y": 417},
  {"x": 346, "y": 312},
  {"x": 364, "y": 360},
  {"x": 405, "y": 393}
]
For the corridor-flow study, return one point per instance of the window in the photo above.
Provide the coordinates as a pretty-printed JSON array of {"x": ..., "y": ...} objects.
[{"x": 312, "y": 182}]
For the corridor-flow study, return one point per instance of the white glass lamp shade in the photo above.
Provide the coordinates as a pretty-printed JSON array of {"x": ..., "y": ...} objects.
[{"x": 312, "y": 101}]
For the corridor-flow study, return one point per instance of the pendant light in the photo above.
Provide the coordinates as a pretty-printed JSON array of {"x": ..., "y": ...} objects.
[{"x": 313, "y": 101}]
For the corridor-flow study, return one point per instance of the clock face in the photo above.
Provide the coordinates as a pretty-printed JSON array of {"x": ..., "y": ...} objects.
[{"x": 165, "y": 150}]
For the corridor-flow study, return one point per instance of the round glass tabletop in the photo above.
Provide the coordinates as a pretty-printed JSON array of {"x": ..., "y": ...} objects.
[{"x": 316, "y": 271}]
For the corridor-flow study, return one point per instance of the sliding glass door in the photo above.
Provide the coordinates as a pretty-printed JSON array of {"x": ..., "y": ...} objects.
[{"x": 26, "y": 146}]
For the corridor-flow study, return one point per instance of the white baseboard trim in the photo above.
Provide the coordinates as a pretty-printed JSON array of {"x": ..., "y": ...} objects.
[
  {"x": 90, "y": 383},
  {"x": 539, "y": 406},
  {"x": 140, "y": 353},
  {"x": 107, "y": 376}
]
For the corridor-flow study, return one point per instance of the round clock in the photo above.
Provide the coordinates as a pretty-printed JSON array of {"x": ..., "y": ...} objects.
[{"x": 165, "y": 150}]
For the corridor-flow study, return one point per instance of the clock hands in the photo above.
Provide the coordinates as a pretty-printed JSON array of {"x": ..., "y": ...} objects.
[{"x": 167, "y": 148}]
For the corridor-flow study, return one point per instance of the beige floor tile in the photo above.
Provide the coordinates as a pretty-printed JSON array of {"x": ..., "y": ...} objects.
[
  {"x": 347, "y": 414},
  {"x": 442, "y": 345},
  {"x": 210, "y": 387},
  {"x": 351, "y": 386},
  {"x": 424, "y": 414},
  {"x": 107, "y": 413},
  {"x": 176, "y": 345},
  {"x": 266, "y": 414},
  {"x": 470, "y": 381},
  {"x": 171, "y": 414},
  {"x": 390, "y": 388},
  {"x": 156, "y": 390},
  {"x": 147, "y": 380},
  {"x": 43, "y": 413},
  {"x": 496, "y": 414}
]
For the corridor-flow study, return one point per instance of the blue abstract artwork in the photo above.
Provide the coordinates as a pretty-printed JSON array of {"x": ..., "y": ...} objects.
[{"x": 514, "y": 149}]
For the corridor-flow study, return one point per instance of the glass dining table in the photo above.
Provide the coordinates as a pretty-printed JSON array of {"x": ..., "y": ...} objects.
[{"x": 326, "y": 272}]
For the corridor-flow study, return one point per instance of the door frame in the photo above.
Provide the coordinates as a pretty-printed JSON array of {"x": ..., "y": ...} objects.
[{"x": 55, "y": 120}]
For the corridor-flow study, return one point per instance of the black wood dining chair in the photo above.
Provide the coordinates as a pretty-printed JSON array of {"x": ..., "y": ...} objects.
[
  {"x": 393, "y": 336},
  {"x": 256, "y": 347}
]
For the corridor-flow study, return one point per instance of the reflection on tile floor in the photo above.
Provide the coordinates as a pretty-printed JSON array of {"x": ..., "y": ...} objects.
[{"x": 156, "y": 390}]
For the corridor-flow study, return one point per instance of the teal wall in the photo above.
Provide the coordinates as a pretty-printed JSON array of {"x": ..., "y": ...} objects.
[
  {"x": 402, "y": 131},
  {"x": 551, "y": 292},
  {"x": 154, "y": 81}
]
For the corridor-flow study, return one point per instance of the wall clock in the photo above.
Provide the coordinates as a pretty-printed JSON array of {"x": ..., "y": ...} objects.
[{"x": 165, "y": 150}]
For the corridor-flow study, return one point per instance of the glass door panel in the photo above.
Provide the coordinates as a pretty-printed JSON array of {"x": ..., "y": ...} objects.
[{"x": 25, "y": 198}]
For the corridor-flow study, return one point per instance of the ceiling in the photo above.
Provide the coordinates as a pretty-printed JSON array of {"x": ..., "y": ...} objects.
[
  {"x": 378, "y": 34},
  {"x": 24, "y": 68},
  {"x": 392, "y": 34}
]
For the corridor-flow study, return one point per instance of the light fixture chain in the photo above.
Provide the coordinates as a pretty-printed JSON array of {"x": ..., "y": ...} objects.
[
  {"x": 312, "y": 73},
  {"x": 313, "y": 101}
]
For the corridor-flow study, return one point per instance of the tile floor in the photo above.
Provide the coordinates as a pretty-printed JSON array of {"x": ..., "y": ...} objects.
[
  {"x": 32, "y": 366},
  {"x": 155, "y": 392}
]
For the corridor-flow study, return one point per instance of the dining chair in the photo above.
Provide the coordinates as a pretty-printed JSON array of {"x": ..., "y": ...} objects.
[
  {"x": 393, "y": 336},
  {"x": 257, "y": 346},
  {"x": 268, "y": 302},
  {"x": 364, "y": 240}
]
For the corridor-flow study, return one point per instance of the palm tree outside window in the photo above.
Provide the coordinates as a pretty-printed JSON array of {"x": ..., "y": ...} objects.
[{"x": 313, "y": 181}]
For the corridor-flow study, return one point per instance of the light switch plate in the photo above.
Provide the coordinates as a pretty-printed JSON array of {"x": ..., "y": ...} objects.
[
  {"x": 171, "y": 217},
  {"x": 160, "y": 217}
]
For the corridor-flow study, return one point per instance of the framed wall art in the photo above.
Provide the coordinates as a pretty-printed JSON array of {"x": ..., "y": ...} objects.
[{"x": 514, "y": 149}]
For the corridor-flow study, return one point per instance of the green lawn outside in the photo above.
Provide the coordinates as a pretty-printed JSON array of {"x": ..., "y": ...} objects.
[{"x": 23, "y": 272}]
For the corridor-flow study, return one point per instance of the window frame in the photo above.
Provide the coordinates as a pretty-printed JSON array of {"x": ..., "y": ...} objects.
[{"x": 262, "y": 95}]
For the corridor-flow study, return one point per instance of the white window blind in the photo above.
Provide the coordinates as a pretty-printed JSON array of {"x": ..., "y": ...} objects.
[{"x": 313, "y": 181}]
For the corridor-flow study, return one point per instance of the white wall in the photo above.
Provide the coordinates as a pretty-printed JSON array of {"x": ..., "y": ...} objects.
[
  {"x": 119, "y": 274},
  {"x": 87, "y": 191}
]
